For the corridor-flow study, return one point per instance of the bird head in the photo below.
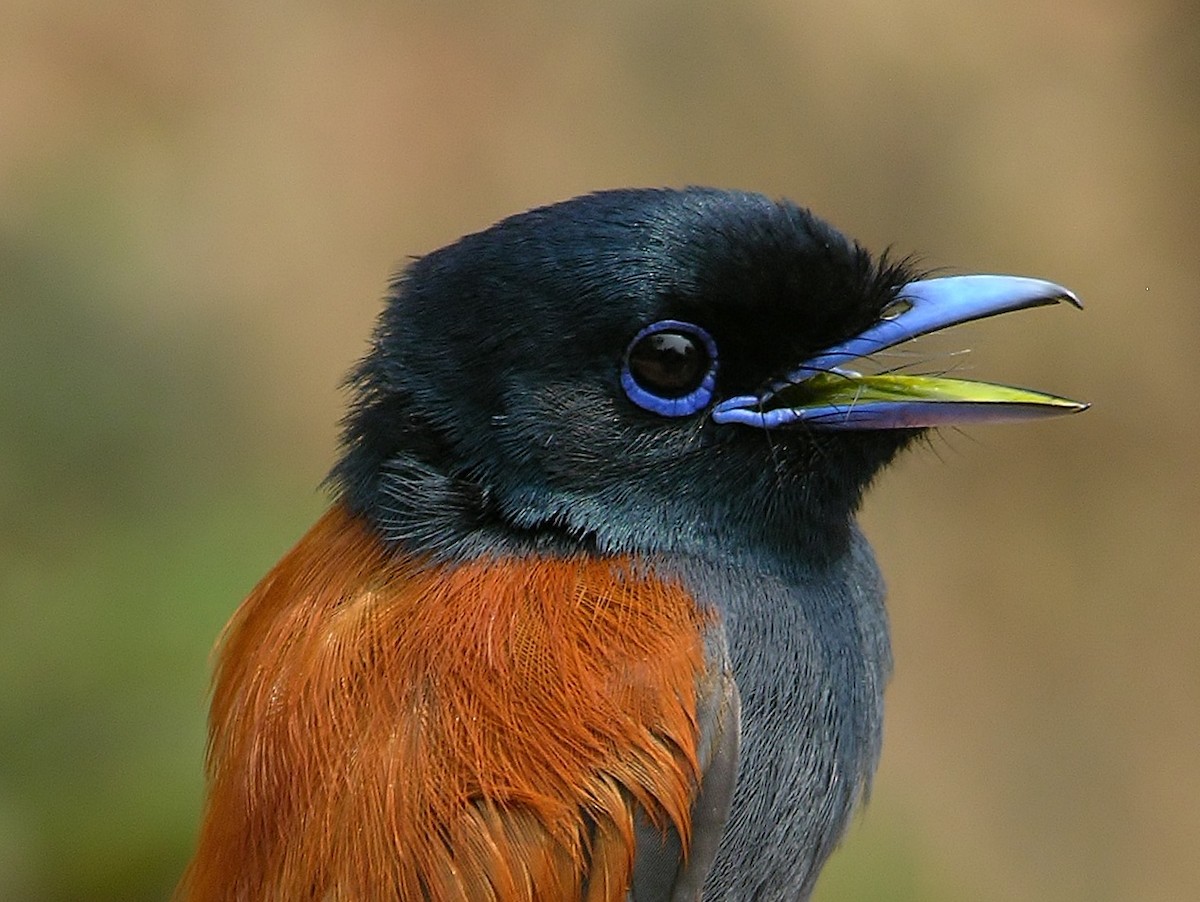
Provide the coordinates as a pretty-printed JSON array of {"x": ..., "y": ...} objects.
[{"x": 649, "y": 370}]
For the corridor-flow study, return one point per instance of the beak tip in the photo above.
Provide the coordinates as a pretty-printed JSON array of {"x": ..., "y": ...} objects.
[{"x": 1071, "y": 298}]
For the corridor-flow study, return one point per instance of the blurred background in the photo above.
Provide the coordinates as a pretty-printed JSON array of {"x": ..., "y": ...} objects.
[{"x": 200, "y": 205}]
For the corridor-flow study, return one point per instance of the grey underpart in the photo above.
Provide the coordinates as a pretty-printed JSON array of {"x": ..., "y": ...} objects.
[{"x": 810, "y": 655}]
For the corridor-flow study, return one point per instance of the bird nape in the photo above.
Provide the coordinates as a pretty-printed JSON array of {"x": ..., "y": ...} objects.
[{"x": 589, "y": 616}]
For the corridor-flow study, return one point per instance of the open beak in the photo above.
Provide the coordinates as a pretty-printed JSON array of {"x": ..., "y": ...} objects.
[{"x": 821, "y": 393}]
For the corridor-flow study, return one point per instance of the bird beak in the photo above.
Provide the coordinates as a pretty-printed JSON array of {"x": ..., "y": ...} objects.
[{"x": 824, "y": 395}]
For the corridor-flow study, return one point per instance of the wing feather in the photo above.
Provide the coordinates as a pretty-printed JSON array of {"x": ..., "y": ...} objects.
[{"x": 387, "y": 727}]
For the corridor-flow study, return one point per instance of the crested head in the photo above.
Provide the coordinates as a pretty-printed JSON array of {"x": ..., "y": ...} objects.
[{"x": 550, "y": 380}]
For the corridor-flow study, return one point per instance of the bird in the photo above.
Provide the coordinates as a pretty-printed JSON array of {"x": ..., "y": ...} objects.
[{"x": 589, "y": 615}]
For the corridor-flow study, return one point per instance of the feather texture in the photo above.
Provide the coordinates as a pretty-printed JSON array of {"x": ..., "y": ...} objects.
[{"x": 385, "y": 726}]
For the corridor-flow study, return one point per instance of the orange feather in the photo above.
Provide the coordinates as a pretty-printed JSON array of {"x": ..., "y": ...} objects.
[{"x": 388, "y": 727}]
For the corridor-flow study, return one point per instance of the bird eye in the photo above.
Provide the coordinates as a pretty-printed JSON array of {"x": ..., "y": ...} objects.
[{"x": 670, "y": 368}]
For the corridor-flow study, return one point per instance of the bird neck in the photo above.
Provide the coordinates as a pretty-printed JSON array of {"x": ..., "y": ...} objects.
[{"x": 415, "y": 504}]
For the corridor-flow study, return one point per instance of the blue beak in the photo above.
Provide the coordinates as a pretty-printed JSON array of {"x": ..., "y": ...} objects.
[{"x": 822, "y": 394}]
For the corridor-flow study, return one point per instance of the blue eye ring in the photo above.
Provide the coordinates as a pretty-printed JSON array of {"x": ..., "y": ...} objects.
[{"x": 670, "y": 368}]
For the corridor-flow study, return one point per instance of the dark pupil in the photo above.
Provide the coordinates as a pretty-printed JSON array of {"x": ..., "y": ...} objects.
[{"x": 670, "y": 364}]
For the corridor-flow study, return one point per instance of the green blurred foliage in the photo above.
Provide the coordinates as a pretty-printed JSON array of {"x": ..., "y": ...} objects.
[
  {"x": 132, "y": 518},
  {"x": 199, "y": 208}
]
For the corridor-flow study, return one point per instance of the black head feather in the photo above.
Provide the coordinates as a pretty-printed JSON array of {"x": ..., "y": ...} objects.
[{"x": 490, "y": 412}]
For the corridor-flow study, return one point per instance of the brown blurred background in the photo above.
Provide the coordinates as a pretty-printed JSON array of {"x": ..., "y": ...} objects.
[{"x": 200, "y": 205}]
